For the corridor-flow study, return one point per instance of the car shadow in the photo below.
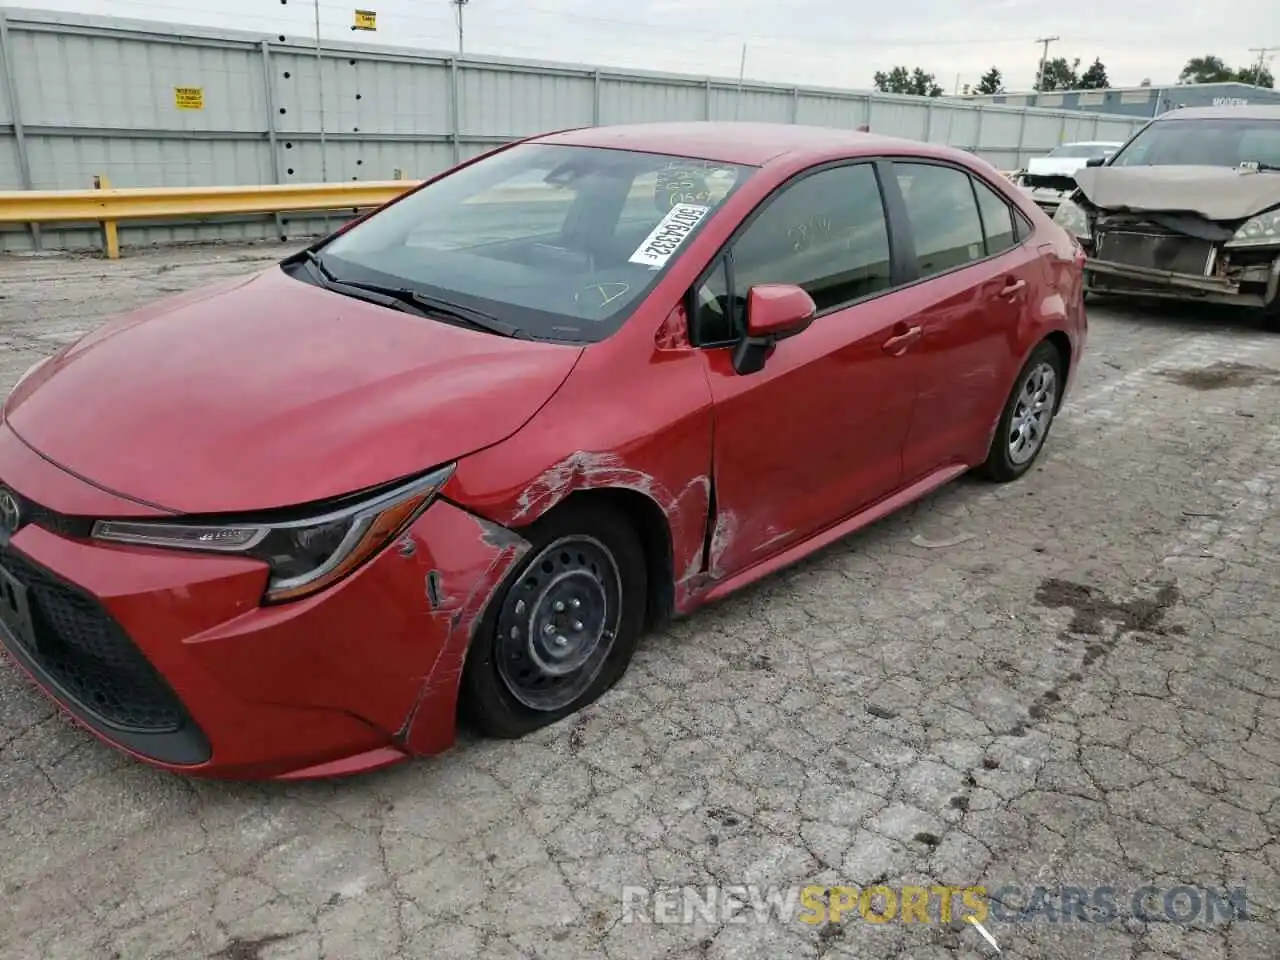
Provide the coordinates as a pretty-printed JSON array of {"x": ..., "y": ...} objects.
[{"x": 1186, "y": 316}]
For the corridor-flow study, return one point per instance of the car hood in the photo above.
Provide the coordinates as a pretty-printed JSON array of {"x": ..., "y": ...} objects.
[
  {"x": 1055, "y": 166},
  {"x": 1215, "y": 193},
  {"x": 267, "y": 392}
]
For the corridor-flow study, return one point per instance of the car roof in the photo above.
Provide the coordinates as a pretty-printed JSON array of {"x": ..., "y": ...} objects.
[
  {"x": 1251, "y": 111},
  {"x": 751, "y": 144}
]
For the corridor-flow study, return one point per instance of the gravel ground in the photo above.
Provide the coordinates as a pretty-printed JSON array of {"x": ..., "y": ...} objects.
[{"x": 1070, "y": 681}]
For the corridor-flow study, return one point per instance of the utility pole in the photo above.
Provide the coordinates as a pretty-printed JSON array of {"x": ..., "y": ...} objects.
[
  {"x": 458, "y": 5},
  {"x": 742, "y": 72},
  {"x": 1262, "y": 56},
  {"x": 1044, "y": 58},
  {"x": 324, "y": 162}
]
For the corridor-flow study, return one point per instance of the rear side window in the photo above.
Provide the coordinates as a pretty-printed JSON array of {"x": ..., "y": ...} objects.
[
  {"x": 943, "y": 214},
  {"x": 825, "y": 233},
  {"x": 997, "y": 219},
  {"x": 1023, "y": 225}
]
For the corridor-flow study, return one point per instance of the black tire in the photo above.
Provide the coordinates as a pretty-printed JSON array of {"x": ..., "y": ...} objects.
[
  {"x": 510, "y": 653},
  {"x": 1002, "y": 464},
  {"x": 1271, "y": 316}
]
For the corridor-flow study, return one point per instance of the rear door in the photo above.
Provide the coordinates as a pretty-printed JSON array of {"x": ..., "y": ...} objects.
[
  {"x": 818, "y": 432},
  {"x": 978, "y": 277}
]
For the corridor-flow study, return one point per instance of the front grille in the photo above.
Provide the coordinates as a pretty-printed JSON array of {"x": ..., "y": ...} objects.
[
  {"x": 58, "y": 523},
  {"x": 90, "y": 658},
  {"x": 1157, "y": 251}
]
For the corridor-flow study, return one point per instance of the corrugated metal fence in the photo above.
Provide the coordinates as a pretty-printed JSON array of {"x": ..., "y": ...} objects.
[{"x": 151, "y": 104}]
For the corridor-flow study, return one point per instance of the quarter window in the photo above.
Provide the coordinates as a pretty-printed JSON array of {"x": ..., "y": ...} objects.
[
  {"x": 825, "y": 233},
  {"x": 943, "y": 214},
  {"x": 997, "y": 219}
]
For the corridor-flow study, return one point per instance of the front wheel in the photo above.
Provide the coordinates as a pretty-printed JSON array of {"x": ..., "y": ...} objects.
[
  {"x": 1028, "y": 415},
  {"x": 561, "y": 629}
]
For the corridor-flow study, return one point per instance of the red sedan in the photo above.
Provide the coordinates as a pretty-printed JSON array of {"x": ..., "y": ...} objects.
[{"x": 463, "y": 453}]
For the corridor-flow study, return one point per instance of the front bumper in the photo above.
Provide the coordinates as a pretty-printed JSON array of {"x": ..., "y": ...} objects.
[
  {"x": 168, "y": 655},
  {"x": 1110, "y": 277}
]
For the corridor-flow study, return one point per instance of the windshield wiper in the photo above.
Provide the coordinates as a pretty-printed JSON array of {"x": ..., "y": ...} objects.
[
  {"x": 442, "y": 309},
  {"x": 359, "y": 290},
  {"x": 466, "y": 315},
  {"x": 419, "y": 304}
]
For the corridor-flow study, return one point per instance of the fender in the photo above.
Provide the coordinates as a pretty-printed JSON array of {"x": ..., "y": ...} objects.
[{"x": 649, "y": 438}]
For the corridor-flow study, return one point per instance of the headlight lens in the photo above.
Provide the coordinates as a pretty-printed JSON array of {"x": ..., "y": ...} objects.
[
  {"x": 306, "y": 555},
  {"x": 1072, "y": 218},
  {"x": 1261, "y": 231}
]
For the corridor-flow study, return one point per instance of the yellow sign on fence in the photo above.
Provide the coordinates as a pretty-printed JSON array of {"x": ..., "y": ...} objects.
[
  {"x": 188, "y": 98},
  {"x": 365, "y": 20}
]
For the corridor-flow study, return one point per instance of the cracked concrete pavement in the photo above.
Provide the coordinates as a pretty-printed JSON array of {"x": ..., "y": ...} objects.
[{"x": 1085, "y": 692}]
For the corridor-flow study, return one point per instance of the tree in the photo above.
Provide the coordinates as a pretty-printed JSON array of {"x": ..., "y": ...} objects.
[
  {"x": 1256, "y": 75},
  {"x": 914, "y": 82},
  {"x": 1215, "y": 70},
  {"x": 1059, "y": 75},
  {"x": 991, "y": 82},
  {"x": 1206, "y": 70},
  {"x": 1095, "y": 78},
  {"x": 1146, "y": 82}
]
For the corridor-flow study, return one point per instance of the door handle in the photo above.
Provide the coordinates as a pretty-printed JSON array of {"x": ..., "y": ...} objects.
[
  {"x": 899, "y": 344},
  {"x": 1012, "y": 286}
]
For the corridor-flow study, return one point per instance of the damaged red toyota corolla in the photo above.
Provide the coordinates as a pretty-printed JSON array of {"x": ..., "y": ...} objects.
[{"x": 462, "y": 454}]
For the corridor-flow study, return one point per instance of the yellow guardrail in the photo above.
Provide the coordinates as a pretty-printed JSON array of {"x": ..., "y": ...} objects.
[{"x": 108, "y": 206}]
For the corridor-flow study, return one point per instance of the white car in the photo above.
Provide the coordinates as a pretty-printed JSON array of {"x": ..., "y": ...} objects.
[{"x": 1051, "y": 178}]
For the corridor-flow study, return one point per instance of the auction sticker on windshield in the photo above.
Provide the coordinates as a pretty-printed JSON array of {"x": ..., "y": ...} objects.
[{"x": 670, "y": 232}]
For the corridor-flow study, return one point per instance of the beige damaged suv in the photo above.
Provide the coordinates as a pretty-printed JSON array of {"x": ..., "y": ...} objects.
[{"x": 1188, "y": 209}]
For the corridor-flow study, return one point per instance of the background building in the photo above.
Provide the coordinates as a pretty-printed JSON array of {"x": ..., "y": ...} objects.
[{"x": 1135, "y": 101}]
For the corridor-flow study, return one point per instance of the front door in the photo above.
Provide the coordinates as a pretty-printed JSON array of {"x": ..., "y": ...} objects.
[{"x": 818, "y": 433}]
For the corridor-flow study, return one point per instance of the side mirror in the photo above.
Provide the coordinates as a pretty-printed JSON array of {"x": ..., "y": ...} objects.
[
  {"x": 775, "y": 311},
  {"x": 1095, "y": 161}
]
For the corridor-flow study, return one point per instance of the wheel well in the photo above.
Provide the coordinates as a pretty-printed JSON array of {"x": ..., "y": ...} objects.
[
  {"x": 654, "y": 533},
  {"x": 1062, "y": 343}
]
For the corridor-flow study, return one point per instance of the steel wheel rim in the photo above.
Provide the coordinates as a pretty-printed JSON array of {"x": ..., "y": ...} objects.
[
  {"x": 1032, "y": 413},
  {"x": 558, "y": 623}
]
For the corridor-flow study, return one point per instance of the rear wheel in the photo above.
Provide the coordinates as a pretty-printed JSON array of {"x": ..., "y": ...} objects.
[
  {"x": 563, "y": 626},
  {"x": 1028, "y": 415}
]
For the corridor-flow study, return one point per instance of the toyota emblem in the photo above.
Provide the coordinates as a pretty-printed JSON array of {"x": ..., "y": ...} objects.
[{"x": 10, "y": 513}]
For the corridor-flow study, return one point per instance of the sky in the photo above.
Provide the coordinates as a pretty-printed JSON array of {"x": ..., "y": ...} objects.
[{"x": 836, "y": 43}]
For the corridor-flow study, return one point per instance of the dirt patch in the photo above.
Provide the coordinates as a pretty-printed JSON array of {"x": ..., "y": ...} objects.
[
  {"x": 1093, "y": 610},
  {"x": 1221, "y": 376},
  {"x": 1092, "y": 614},
  {"x": 239, "y": 949}
]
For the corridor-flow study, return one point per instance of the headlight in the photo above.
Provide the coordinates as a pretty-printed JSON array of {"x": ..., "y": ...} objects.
[
  {"x": 1072, "y": 218},
  {"x": 1261, "y": 231},
  {"x": 305, "y": 555}
]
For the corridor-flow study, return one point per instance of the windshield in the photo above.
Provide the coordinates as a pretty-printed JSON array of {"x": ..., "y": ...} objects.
[
  {"x": 1221, "y": 142},
  {"x": 559, "y": 241},
  {"x": 1083, "y": 150}
]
